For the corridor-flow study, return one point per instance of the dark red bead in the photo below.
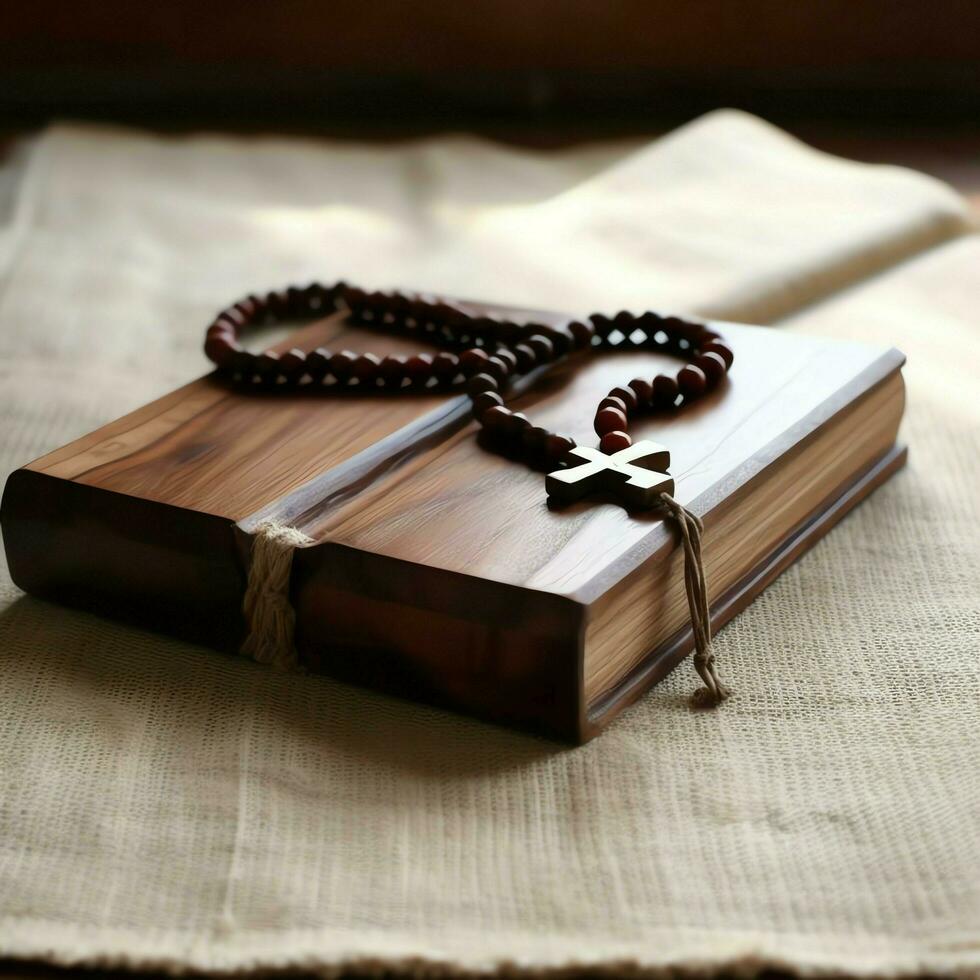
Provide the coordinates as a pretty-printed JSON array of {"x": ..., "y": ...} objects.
[
  {"x": 445, "y": 366},
  {"x": 495, "y": 419},
  {"x": 526, "y": 358},
  {"x": 665, "y": 391},
  {"x": 506, "y": 355},
  {"x": 247, "y": 308},
  {"x": 611, "y": 401},
  {"x": 484, "y": 401},
  {"x": 557, "y": 447},
  {"x": 602, "y": 325},
  {"x": 628, "y": 396},
  {"x": 276, "y": 305},
  {"x": 392, "y": 369},
  {"x": 691, "y": 381},
  {"x": 560, "y": 339},
  {"x": 481, "y": 382},
  {"x": 516, "y": 424},
  {"x": 643, "y": 390},
  {"x": 292, "y": 364},
  {"x": 242, "y": 363},
  {"x": 220, "y": 348},
  {"x": 722, "y": 350},
  {"x": 712, "y": 365},
  {"x": 230, "y": 322},
  {"x": 318, "y": 363},
  {"x": 612, "y": 442},
  {"x": 419, "y": 368},
  {"x": 267, "y": 364},
  {"x": 342, "y": 364},
  {"x": 365, "y": 368},
  {"x": 533, "y": 439},
  {"x": 609, "y": 420},
  {"x": 506, "y": 331},
  {"x": 582, "y": 333},
  {"x": 471, "y": 361},
  {"x": 496, "y": 367},
  {"x": 544, "y": 349},
  {"x": 353, "y": 297}
]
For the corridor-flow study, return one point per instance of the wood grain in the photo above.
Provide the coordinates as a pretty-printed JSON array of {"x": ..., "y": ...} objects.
[{"x": 439, "y": 570}]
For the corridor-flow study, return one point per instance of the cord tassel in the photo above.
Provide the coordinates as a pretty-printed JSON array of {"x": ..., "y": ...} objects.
[{"x": 691, "y": 528}]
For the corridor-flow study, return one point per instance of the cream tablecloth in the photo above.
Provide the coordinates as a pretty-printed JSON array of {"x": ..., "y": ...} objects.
[{"x": 161, "y": 806}]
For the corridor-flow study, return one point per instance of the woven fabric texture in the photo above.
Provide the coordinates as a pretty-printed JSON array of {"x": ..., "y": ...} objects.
[{"x": 165, "y": 807}]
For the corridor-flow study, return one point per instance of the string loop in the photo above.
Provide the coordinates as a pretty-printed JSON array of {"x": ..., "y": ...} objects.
[{"x": 691, "y": 528}]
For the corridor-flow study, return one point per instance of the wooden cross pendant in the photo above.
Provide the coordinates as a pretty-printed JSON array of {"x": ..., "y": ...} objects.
[{"x": 637, "y": 475}]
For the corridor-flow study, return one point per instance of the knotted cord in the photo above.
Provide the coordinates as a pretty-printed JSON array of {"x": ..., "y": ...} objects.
[{"x": 691, "y": 528}]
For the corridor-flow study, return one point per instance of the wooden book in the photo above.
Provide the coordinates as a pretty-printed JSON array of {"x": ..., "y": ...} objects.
[{"x": 439, "y": 571}]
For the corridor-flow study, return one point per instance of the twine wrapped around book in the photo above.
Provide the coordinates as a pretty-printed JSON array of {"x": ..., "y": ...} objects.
[
  {"x": 269, "y": 615},
  {"x": 691, "y": 528},
  {"x": 271, "y": 618}
]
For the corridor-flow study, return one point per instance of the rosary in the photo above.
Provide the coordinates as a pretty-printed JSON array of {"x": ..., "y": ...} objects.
[{"x": 483, "y": 355}]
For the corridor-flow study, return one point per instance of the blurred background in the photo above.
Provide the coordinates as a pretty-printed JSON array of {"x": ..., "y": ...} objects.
[{"x": 529, "y": 70}]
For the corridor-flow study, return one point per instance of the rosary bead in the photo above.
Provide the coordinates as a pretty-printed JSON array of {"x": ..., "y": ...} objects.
[
  {"x": 222, "y": 326},
  {"x": 482, "y": 326},
  {"x": 220, "y": 348},
  {"x": 722, "y": 350},
  {"x": 506, "y": 331},
  {"x": 484, "y": 401},
  {"x": 612, "y": 442},
  {"x": 495, "y": 419},
  {"x": 296, "y": 302},
  {"x": 481, "y": 382},
  {"x": 506, "y": 355},
  {"x": 392, "y": 369},
  {"x": 602, "y": 325},
  {"x": 316, "y": 298},
  {"x": 342, "y": 364},
  {"x": 713, "y": 366},
  {"x": 691, "y": 381},
  {"x": 627, "y": 396},
  {"x": 544, "y": 349},
  {"x": 473, "y": 360},
  {"x": 496, "y": 367},
  {"x": 526, "y": 358},
  {"x": 609, "y": 420},
  {"x": 665, "y": 391},
  {"x": 611, "y": 401},
  {"x": 353, "y": 297},
  {"x": 533, "y": 439},
  {"x": 692, "y": 331},
  {"x": 247, "y": 309},
  {"x": 292, "y": 364},
  {"x": 445, "y": 366},
  {"x": 560, "y": 339},
  {"x": 419, "y": 368},
  {"x": 516, "y": 424},
  {"x": 582, "y": 333},
  {"x": 231, "y": 318},
  {"x": 557, "y": 447},
  {"x": 267, "y": 365},
  {"x": 365, "y": 368},
  {"x": 318, "y": 363},
  {"x": 643, "y": 390}
]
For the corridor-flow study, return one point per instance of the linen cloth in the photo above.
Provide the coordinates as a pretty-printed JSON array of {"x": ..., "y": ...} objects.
[{"x": 164, "y": 807}]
